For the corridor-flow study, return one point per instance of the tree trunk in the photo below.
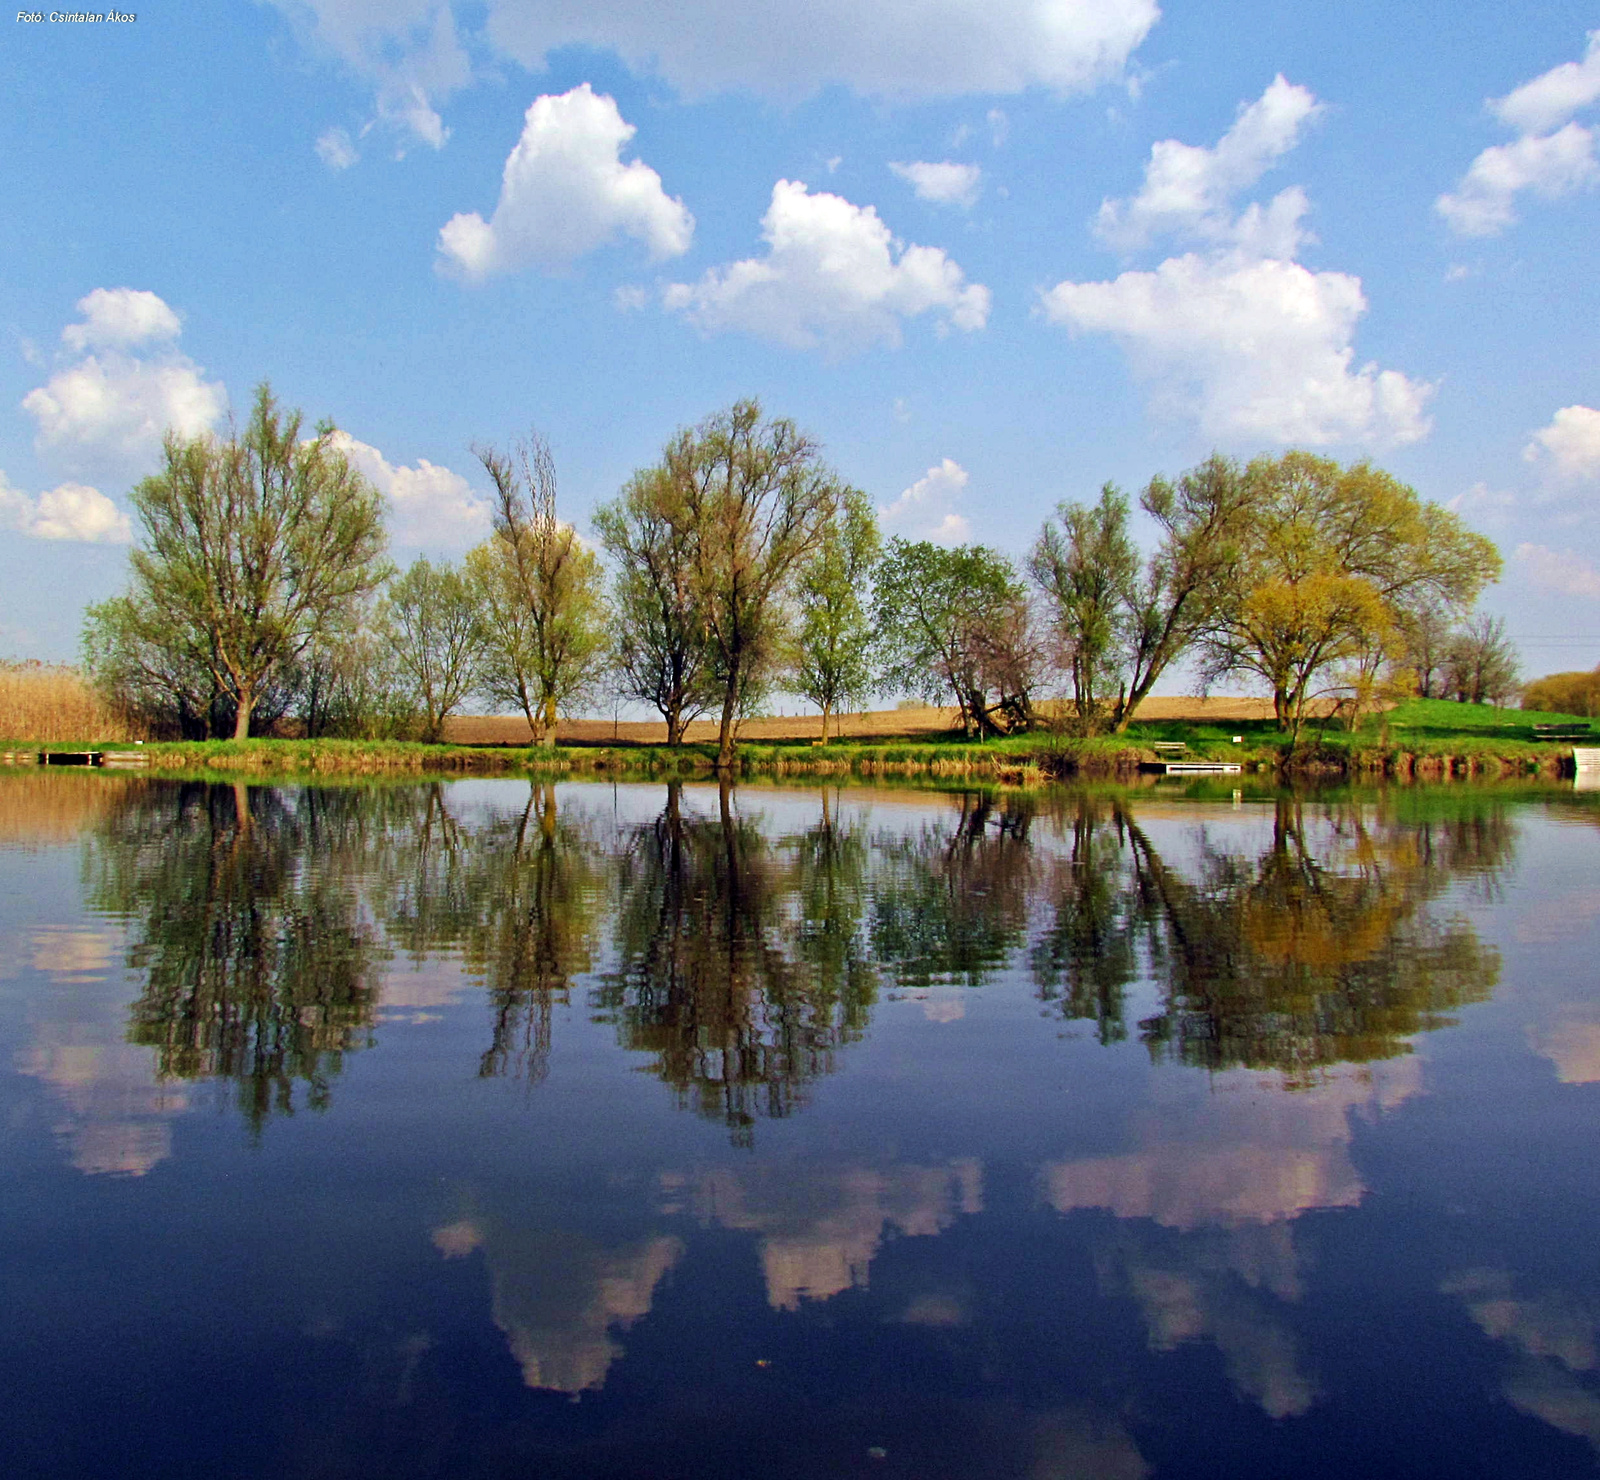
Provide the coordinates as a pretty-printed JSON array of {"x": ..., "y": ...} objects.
[
  {"x": 826, "y": 712},
  {"x": 550, "y": 721},
  {"x": 730, "y": 707},
  {"x": 241, "y": 721},
  {"x": 674, "y": 718}
]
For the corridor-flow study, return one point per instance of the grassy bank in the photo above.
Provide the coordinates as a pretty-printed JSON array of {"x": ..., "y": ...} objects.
[{"x": 1423, "y": 739}]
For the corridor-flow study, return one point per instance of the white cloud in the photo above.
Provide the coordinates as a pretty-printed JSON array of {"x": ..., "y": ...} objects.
[
  {"x": 1552, "y": 156},
  {"x": 336, "y": 149},
  {"x": 1560, "y": 571},
  {"x": 1569, "y": 448},
  {"x": 1254, "y": 350},
  {"x": 432, "y": 506},
  {"x": 1241, "y": 337},
  {"x": 944, "y": 184},
  {"x": 1554, "y": 96},
  {"x": 1551, "y": 166},
  {"x": 790, "y": 48},
  {"x": 926, "y": 510},
  {"x": 833, "y": 276},
  {"x": 71, "y": 511},
  {"x": 119, "y": 318},
  {"x": 408, "y": 49},
  {"x": 1189, "y": 189},
  {"x": 413, "y": 53},
  {"x": 110, "y": 409},
  {"x": 565, "y": 191}
]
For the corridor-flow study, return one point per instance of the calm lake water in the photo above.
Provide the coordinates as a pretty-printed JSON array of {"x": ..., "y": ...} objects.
[{"x": 480, "y": 1129}]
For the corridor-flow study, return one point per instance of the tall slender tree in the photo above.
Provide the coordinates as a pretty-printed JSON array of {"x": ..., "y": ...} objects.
[
  {"x": 550, "y": 650},
  {"x": 833, "y": 646}
]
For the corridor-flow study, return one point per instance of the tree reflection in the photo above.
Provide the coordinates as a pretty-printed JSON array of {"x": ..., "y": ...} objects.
[
  {"x": 740, "y": 996},
  {"x": 518, "y": 898},
  {"x": 951, "y": 904},
  {"x": 1319, "y": 949},
  {"x": 258, "y": 965}
]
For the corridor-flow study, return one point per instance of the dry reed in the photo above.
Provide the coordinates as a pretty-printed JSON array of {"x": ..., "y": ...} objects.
[{"x": 47, "y": 702}]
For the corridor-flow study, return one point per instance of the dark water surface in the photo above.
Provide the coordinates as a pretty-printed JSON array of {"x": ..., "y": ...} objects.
[{"x": 481, "y": 1129}]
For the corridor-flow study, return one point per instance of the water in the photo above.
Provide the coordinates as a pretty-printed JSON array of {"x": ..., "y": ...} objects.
[{"x": 481, "y": 1129}]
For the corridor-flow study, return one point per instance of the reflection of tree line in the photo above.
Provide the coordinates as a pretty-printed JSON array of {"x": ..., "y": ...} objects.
[{"x": 742, "y": 961}]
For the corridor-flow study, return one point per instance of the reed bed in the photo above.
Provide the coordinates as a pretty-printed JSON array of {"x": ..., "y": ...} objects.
[
  {"x": 48, "y": 702},
  {"x": 40, "y": 806}
]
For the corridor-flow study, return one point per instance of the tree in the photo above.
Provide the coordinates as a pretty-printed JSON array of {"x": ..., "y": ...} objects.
[
  {"x": 752, "y": 499},
  {"x": 1564, "y": 693},
  {"x": 833, "y": 666},
  {"x": 1087, "y": 568},
  {"x": 1425, "y": 633},
  {"x": 1481, "y": 663},
  {"x": 433, "y": 624},
  {"x": 955, "y": 623},
  {"x": 254, "y": 547},
  {"x": 545, "y": 592},
  {"x": 659, "y": 651},
  {"x": 1330, "y": 559},
  {"x": 1121, "y": 628}
]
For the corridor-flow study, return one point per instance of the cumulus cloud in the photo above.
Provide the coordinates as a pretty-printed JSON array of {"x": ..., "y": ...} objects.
[
  {"x": 1554, "y": 96},
  {"x": 944, "y": 184},
  {"x": 109, "y": 407},
  {"x": 566, "y": 191},
  {"x": 927, "y": 509},
  {"x": 118, "y": 318},
  {"x": 1569, "y": 448},
  {"x": 1551, "y": 156},
  {"x": 1254, "y": 350},
  {"x": 337, "y": 150},
  {"x": 71, "y": 511},
  {"x": 431, "y": 505},
  {"x": 1553, "y": 165},
  {"x": 833, "y": 276},
  {"x": 413, "y": 53},
  {"x": 1560, "y": 570},
  {"x": 1241, "y": 336},
  {"x": 1189, "y": 188}
]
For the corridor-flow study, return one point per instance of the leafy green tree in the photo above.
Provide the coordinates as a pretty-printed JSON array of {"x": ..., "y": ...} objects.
[
  {"x": 833, "y": 647},
  {"x": 753, "y": 500},
  {"x": 955, "y": 624},
  {"x": 659, "y": 650},
  {"x": 1330, "y": 558},
  {"x": 433, "y": 625},
  {"x": 1564, "y": 693},
  {"x": 254, "y": 547},
  {"x": 1086, "y": 568},
  {"x": 545, "y": 592},
  {"x": 1122, "y": 626}
]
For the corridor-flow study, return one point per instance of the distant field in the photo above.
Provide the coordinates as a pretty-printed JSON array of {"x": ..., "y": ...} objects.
[{"x": 878, "y": 723}]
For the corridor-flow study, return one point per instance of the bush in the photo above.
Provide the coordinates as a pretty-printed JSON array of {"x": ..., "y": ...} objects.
[{"x": 1564, "y": 693}]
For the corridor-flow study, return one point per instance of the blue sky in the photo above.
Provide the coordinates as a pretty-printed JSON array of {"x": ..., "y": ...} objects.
[{"x": 992, "y": 253}]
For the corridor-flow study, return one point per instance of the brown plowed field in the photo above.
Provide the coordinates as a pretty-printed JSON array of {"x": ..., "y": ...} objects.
[{"x": 910, "y": 723}]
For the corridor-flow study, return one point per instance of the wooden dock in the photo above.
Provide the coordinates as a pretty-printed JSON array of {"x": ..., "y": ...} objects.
[{"x": 114, "y": 759}]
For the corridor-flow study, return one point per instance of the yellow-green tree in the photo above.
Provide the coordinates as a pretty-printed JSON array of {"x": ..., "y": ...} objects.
[{"x": 1332, "y": 560}]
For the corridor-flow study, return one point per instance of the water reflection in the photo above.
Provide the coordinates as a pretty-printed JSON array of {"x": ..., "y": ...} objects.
[
  {"x": 740, "y": 959},
  {"x": 255, "y": 961}
]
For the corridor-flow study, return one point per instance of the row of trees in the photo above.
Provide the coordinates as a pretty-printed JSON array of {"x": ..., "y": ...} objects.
[{"x": 741, "y": 562}]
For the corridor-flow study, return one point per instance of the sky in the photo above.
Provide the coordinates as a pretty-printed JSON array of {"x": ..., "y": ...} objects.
[{"x": 992, "y": 254}]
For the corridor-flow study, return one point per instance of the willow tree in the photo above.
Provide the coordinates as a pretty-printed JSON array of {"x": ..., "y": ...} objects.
[
  {"x": 833, "y": 645},
  {"x": 544, "y": 591},
  {"x": 753, "y": 499},
  {"x": 659, "y": 643},
  {"x": 1331, "y": 561},
  {"x": 255, "y": 547},
  {"x": 1122, "y": 625}
]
